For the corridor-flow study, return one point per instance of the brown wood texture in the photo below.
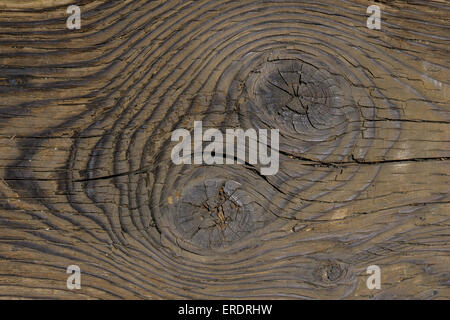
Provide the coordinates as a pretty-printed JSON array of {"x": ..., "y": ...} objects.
[{"x": 86, "y": 118}]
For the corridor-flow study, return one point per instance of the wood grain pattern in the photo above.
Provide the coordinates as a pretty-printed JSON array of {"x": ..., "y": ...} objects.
[{"x": 86, "y": 176}]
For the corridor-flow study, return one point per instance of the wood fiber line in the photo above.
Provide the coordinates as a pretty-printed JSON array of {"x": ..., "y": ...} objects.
[{"x": 86, "y": 175}]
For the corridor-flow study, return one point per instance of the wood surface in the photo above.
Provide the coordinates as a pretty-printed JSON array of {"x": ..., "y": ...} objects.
[{"x": 86, "y": 177}]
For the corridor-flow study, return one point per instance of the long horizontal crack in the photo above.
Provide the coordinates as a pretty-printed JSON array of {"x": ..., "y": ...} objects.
[
  {"x": 355, "y": 161},
  {"x": 113, "y": 175},
  {"x": 314, "y": 162}
]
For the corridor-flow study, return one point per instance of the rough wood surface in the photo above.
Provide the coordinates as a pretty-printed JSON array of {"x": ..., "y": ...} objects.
[{"x": 86, "y": 176}]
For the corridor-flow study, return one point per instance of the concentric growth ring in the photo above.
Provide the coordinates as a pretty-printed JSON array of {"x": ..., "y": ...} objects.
[
  {"x": 258, "y": 72},
  {"x": 265, "y": 73}
]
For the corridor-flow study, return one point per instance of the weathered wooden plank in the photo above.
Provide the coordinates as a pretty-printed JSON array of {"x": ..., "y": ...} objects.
[{"x": 86, "y": 176}]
